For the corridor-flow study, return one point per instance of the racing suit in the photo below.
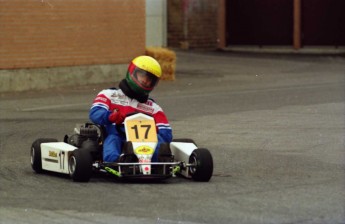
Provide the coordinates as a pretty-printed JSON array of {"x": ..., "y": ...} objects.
[{"x": 114, "y": 99}]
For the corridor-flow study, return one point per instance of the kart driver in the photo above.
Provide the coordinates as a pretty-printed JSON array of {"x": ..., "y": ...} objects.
[{"x": 111, "y": 106}]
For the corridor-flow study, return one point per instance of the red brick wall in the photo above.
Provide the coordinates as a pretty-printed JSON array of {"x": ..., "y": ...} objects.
[
  {"x": 175, "y": 23},
  {"x": 194, "y": 22},
  {"x": 46, "y": 33}
]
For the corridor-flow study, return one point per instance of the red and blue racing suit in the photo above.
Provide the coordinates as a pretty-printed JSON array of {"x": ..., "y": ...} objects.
[{"x": 114, "y": 99}]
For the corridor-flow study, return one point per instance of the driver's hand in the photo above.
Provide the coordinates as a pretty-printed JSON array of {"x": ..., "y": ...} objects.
[{"x": 117, "y": 117}]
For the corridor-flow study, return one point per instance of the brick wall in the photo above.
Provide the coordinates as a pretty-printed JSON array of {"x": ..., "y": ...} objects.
[
  {"x": 192, "y": 23},
  {"x": 175, "y": 23},
  {"x": 49, "y": 33}
]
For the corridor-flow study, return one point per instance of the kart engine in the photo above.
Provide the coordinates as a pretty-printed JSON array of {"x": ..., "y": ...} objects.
[{"x": 83, "y": 133}]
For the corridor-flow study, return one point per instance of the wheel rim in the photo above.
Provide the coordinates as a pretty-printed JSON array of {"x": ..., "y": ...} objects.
[
  {"x": 32, "y": 156},
  {"x": 193, "y": 161},
  {"x": 72, "y": 164}
]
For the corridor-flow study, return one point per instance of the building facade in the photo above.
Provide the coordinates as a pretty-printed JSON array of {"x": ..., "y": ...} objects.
[
  {"x": 60, "y": 43},
  {"x": 50, "y": 33},
  {"x": 222, "y": 23}
]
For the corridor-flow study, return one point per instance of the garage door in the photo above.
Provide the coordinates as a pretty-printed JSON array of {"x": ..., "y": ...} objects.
[
  {"x": 259, "y": 22},
  {"x": 323, "y": 22}
]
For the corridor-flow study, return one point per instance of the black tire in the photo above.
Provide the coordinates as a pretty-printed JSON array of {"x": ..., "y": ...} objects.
[
  {"x": 35, "y": 153},
  {"x": 80, "y": 165},
  {"x": 203, "y": 165}
]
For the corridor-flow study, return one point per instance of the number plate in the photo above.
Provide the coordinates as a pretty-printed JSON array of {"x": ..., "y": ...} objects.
[{"x": 141, "y": 131}]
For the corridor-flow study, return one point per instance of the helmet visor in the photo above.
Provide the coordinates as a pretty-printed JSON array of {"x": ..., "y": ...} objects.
[{"x": 144, "y": 79}]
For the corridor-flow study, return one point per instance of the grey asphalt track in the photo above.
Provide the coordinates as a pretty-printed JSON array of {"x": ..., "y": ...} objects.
[{"x": 273, "y": 123}]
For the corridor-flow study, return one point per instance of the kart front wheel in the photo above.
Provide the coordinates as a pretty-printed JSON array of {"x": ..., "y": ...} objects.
[
  {"x": 80, "y": 165},
  {"x": 35, "y": 153},
  {"x": 201, "y": 162}
]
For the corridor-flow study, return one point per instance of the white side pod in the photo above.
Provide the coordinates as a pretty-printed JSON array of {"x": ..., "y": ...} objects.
[
  {"x": 55, "y": 156},
  {"x": 182, "y": 152}
]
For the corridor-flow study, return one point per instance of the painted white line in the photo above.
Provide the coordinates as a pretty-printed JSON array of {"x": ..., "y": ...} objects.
[{"x": 54, "y": 107}]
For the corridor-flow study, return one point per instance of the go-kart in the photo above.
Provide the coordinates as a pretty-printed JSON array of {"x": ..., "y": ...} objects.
[{"x": 80, "y": 154}]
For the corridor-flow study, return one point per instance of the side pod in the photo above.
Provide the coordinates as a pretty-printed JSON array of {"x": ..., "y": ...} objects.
[
  {"x": 182, "y": 152},
  {"x": 55, "y": 156}
]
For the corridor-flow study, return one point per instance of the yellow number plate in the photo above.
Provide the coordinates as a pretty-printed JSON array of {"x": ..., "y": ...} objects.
[{"x": 141, "y": 131}]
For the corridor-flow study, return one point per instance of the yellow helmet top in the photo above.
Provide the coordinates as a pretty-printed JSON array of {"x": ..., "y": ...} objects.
[
  {"x": 148, "y": 64},
  {"x": 145, "y": 66}
]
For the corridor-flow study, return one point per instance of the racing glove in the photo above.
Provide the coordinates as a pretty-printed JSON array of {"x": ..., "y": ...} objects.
[{"x": 116, "y": 117}]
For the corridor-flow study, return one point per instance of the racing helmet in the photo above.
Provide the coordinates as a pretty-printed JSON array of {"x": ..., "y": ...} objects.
[{"x": 143, "y": 74}]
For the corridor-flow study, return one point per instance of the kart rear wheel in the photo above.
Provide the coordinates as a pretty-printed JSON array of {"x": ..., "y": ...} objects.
[
  {"x": 80, "y": 165},
  {"x": 35, "y": 153},
  {"x": 202, "y": 165}
]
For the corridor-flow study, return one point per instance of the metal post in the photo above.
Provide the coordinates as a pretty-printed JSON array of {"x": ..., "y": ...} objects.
[
  {"x": 221, "y": 29},
  {"x": 297, "y": 24}
]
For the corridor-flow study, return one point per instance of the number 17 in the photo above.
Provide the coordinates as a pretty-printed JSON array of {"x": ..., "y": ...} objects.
[{"x": 135, "y": 128}]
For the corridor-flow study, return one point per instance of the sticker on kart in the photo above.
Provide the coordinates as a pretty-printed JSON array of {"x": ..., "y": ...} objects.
[
  {"x": 141, "y": 131},
  {"x": 144, "y": 150}
]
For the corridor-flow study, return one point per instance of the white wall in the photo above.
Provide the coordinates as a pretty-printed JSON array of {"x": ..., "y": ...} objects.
[{"x": 156, "y": 23}]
